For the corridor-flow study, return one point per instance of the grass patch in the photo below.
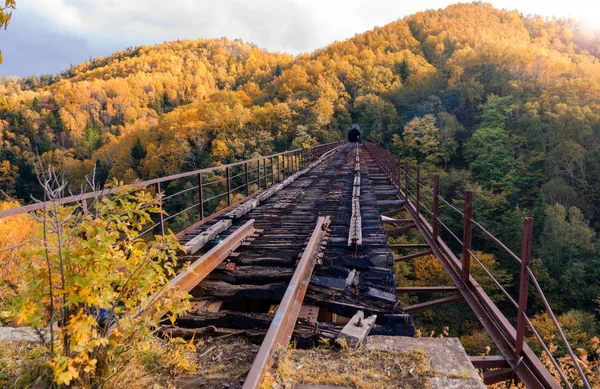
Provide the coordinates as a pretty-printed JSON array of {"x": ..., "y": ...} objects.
[{"x": 360, "y": 368}]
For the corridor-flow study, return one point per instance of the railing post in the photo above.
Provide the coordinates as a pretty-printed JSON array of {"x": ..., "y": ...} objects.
[
  {"x": 524, "y": 284},
  {"x": 283, "y": 165},
  {"x": 436, "y": 207},
  {"x": 467, "y": 235},
  {"x": 200, "y": 196},
  {"x": 258, "y": 170},
  {"x": 272, "y": 172},
  {"x": 278, "y": 169},
  {"x": 406, "y": 181},
  {"x": 228, "y": 173},
  {"x": 161, "y": 218},
  {"x": 265, "y": 173},
  {"x": 293, "y": 164},
  {"x": 247, "y": 179},
  {"x": 397, "y": 177},
  {"x": 387, "y": 163},
  {"x": 418, "y": 189}
]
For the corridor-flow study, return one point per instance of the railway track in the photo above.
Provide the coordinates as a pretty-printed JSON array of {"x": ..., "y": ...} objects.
[{"x": 287, "y": 264}]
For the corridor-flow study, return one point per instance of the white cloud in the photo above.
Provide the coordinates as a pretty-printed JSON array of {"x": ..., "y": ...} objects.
[
  {"x": 285, "y": 25},
  {"x": 294, "y": 26}
]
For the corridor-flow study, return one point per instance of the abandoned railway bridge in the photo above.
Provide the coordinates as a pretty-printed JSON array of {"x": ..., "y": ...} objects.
[{"x": 294, "y": 247}]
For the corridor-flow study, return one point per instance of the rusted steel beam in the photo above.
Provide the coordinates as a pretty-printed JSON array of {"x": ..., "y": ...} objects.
[
  {"x": 396, "y": 221},
  {"x": 412, "y": 256},
  {"x": 400, "y": 229},
  {"x": 489, "y": 362},
  {"x": 392, "y": 212},
  {"x": 496, "y": 376},
  {"x": 524, "y": 284},
  {"x": 408, "y": 245},
  {"x": 202, "y": 267},
  {"x": 426, "y": 289},
  {"x": 283, "y": 323},
  {"x": 433, "y": 303}
]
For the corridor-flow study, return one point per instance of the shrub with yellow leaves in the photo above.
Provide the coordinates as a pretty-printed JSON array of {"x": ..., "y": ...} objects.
[{"x": 85, "y": 281}]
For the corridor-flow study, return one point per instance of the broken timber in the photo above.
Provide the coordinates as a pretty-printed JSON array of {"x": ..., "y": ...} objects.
[
  {"x": 355, "y": 234},
  {"x": 198, "y": 270},
  {"x": 357, "y": 329}
]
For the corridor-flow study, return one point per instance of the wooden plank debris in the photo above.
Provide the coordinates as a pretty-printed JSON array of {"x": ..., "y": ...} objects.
[{"x": 357, "y": 329}]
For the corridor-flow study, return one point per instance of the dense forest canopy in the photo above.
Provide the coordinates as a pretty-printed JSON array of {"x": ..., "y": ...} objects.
[{"x": 500, "y": 103}]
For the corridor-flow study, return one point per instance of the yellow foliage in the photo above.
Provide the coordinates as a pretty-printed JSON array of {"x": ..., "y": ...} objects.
[
  {"x": 220, "y": 151},
  {"x": 14, "y": 231},
  {"x": 89, "y": 286}
]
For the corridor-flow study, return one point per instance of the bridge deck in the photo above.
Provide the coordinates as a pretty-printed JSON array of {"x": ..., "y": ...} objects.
[
  {"x": 240, "y": 296},
  {"x": 242, "y": 293}
]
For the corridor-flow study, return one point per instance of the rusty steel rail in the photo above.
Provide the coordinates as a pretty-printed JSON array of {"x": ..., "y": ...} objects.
[
  {"x": 202, "y": 267},
  {"x": 282, "y": 326},
  {"x": 509, "y": 338}
]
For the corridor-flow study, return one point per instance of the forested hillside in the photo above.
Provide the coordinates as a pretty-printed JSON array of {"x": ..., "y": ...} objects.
[{"x": 503, "y": 104}]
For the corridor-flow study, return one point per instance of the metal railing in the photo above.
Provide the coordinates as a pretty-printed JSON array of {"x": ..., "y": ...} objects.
[
  {"x": 399, "y": 177},
  {"x": 206, "y": 192}
]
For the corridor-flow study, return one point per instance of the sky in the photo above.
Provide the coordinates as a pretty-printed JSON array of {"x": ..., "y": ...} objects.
[{"x": 47, "y": 36}]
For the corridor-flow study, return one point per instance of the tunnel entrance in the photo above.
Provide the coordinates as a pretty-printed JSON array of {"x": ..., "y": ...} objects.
[{"x": 354, "y": 135}]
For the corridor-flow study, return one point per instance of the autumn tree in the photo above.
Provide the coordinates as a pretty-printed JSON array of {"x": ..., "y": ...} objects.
[
  {"x": 302, "y": 139},
  {"x": 568, "y": 255},
  {"x": 377, "y": 117},
  {"x": 422, "y": 139}
]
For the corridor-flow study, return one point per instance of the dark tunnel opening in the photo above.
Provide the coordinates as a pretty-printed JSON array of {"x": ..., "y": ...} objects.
[{"x": 354, "y": 135}]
